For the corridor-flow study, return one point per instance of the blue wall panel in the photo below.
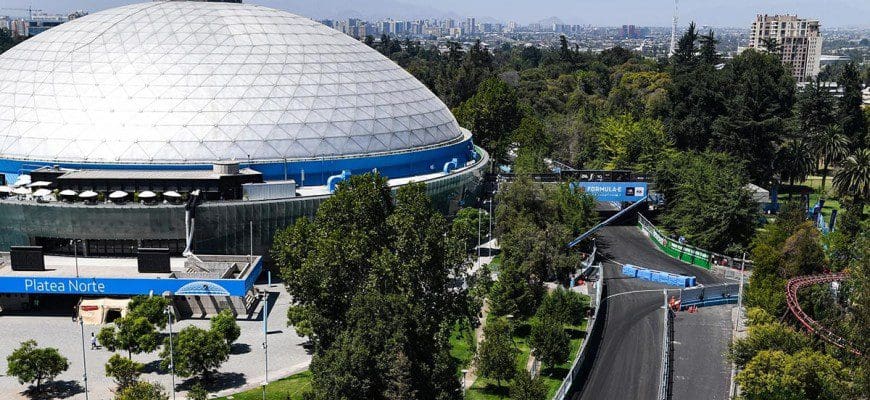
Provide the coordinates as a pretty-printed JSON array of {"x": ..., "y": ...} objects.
[{"x": 316, "y": 171}]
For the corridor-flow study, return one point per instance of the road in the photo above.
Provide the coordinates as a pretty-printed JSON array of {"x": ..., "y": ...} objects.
[{"x": 627, "y": 359}]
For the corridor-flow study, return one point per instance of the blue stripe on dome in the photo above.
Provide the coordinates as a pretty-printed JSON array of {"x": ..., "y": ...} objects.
[{"x": 317, "y": 172}]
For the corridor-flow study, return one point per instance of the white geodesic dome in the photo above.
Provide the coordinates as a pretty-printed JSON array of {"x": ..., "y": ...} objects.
[{"x": 178, "y": 82}]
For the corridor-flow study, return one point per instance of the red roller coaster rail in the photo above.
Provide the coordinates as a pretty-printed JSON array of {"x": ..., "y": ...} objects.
[{"x": 792, "y": 288}]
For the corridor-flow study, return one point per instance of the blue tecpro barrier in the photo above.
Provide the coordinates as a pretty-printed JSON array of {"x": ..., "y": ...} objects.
[
  {"x": 664, "y": 278},
  {"x": 645, "y": 274}
]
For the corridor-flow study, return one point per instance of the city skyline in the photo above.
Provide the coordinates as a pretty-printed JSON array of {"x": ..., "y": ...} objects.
[{"x": 719, "y": 13}]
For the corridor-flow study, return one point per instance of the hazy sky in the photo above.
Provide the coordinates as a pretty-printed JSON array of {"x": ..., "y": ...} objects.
[{"x": 832, "y": 13}]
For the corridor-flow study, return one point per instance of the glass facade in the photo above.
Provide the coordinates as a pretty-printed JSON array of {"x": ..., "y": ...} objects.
[{"x": 222, "y": 227}]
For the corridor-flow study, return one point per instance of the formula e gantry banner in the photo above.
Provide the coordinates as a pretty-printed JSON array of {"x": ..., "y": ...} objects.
[{"x": 613, "y": 191}]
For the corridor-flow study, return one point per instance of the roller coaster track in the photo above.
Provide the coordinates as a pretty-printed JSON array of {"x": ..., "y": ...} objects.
[{"x": 796, "y": 284}]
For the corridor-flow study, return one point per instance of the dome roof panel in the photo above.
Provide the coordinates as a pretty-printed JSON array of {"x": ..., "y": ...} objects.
[{"x": 195, "y": 82}]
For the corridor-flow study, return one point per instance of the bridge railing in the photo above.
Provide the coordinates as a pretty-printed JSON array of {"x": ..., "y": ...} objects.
[{"x": 591, "y": 327}]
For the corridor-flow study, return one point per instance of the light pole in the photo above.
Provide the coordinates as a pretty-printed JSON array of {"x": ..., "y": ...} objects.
[
  {"x": 168, "y": 312},
  {"x": 84, "y": 356},
  {"x": 266, "y": 339},
  {"x": 464, "y": 373},
  {"x": 478, "y": 235},
  {"x": 489, "y": 251},
  {"x": 75, "y": 245}
]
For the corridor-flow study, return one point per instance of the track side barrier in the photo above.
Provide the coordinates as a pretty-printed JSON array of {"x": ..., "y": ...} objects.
[
  {"x": 652, "y": 275},
  {"x": 709, "y": 295},
  {"x": 593, "y": 328},
  {"x": 667, "y": 350},
  {"x": 727, "y": 267}
]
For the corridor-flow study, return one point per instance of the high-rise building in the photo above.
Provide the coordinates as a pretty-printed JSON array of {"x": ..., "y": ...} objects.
[
  {"x": 470, "y": 25},
  {"x": 797, "y": 42}
]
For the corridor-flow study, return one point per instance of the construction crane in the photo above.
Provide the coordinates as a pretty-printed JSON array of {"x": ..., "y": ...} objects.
[{"x": 29, "y": 10}]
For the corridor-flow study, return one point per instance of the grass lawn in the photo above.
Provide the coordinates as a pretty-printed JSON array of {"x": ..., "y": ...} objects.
[
  {"x": 486, "y": 389},
  {"x": 289, "y": 388},
  {"x": 462, "y": 345}
]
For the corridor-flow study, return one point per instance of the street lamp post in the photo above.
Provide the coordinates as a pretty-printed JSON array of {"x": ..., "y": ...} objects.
[
  {"x": 489, "y": 251},
  {"x": 464, "y": 373},
  {"x": 478, "y": 235},
  {"x": 266, "y": 339},
  {"x": 84, "y": 356},
  {"x": 168, "y": 312},
  {"x": 75, "y": 244}
]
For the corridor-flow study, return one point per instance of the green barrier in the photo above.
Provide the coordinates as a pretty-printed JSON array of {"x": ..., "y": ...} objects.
[{"x": 686, "y": 253}]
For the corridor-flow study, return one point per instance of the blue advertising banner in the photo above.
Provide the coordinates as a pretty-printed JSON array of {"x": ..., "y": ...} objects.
[
  {"x": 129, "y": 286},
  {"x": 613, "y": 191}
]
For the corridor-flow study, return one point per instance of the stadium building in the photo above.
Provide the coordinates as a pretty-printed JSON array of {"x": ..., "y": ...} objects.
[
  {"x": 207, "y": 126},
  {"x": 182, "y": 128}
]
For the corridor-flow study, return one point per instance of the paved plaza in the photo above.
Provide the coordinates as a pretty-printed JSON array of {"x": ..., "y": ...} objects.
[{"x": 244, "y": 369}]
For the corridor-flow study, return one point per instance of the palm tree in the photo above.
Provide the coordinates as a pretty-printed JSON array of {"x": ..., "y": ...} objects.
[
  {"x": 831, "y": 146},
  {"x": 854, "y": 178},
  {"x": 794, "y": 161}
]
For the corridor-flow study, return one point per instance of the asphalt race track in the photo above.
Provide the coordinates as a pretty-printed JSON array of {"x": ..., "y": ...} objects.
[{"x": 627, "y": 359}]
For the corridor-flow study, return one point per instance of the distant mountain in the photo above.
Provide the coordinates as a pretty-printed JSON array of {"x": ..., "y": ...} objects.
[
  {"x": 365, "y": 9},
  {"x": 550, "y": 21}
]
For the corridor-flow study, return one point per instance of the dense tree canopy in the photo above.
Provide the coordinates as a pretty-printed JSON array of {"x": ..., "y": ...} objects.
[{"x": 375, "y": 288}]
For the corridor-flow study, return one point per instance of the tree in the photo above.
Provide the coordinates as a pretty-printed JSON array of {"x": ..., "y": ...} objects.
[
  {"x": 196, "y": 352},
  {"x": 807, "y": 375},
  {"x": 549, "y": 342},
  {"x": 830, "y": 146},
  {"x": 849, "y": 108},
  {"x": 143, "y": 391},
  {"x": 853, "y": 178},
  {"x": 377, "y": 279},
  {"x": 224, "y": 324},
  {"x": 132, "y": 333},
  {"x": 705, "y": 200},
  {"x": 707, "y": 53},
  {"x": 695, "y": 95},
  {"x": 524, "y": 387},
  {"x": 627, "y": 143},
  {"x": 758, "y": 101},
  {"x": 767, "y": 336},
  {"x": 794, "y": 162},
  {"x": 123, "y": 370},
  {"x": 492, "y": 114},
  {"x": 152, "y": 308},
  {"x": 465, "y": 227},
  {"x": 496, "y": 355},
  {"x": 197, "y": 392},
  {"x": 564, "y": 306},
  {"x": 30, "y": 363},
  {"x": 814, "y": 110}
]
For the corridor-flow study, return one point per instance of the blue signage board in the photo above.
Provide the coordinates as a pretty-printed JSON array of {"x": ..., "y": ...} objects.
[
  {"x": 97, "y": 286},
  {"x": 613, "y": 191}
]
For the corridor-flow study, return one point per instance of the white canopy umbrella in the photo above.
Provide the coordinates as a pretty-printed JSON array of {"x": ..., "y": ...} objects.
[
  {"x": 22, "y": 180},
  {"x": 5, "y": 189},
  {"x": 22, "y": 191},
  {"x": 172, "y": 194},
  {"x": 42, "y": 192},
  {"x": 88, "y": 194},
  {"x": 118, "y": 194},
  {"x": 39, "y": 184},
  {"x": 68, "y": 192},
  {"x": 147, "y": 195}
]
